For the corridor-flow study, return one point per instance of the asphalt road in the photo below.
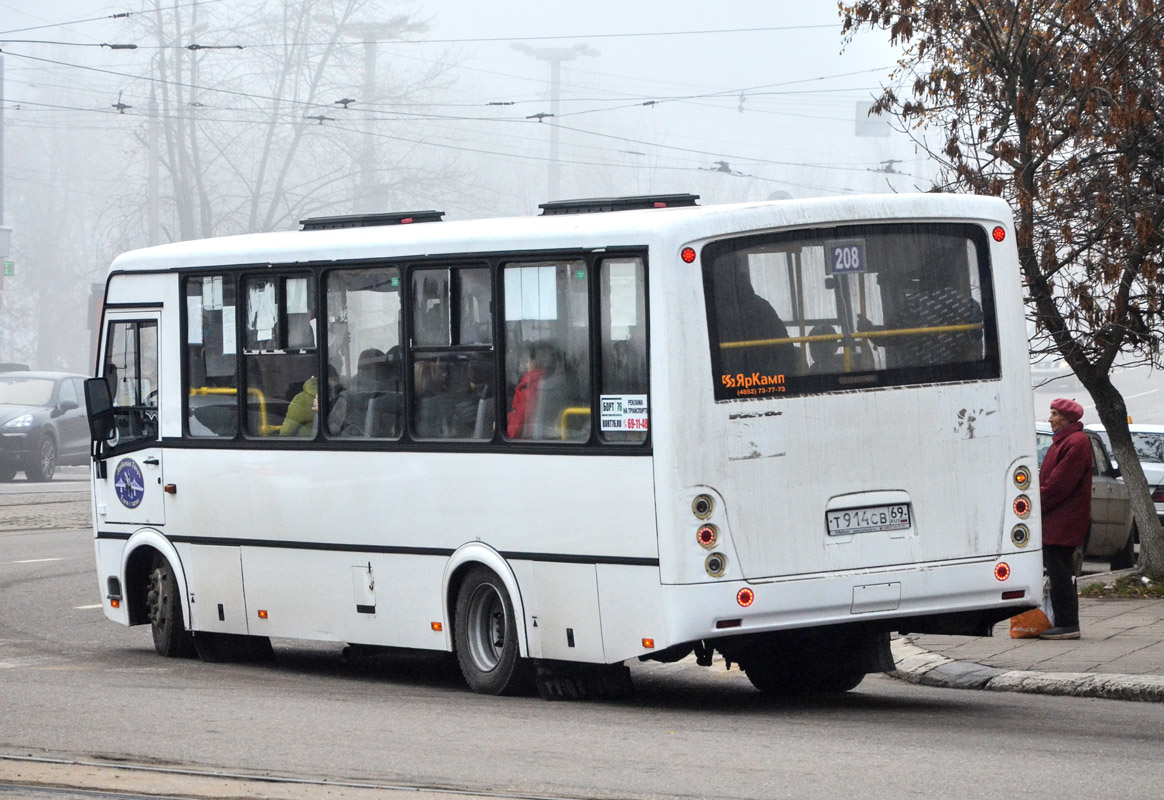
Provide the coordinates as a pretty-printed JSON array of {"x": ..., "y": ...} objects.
[{"x": 78, "y": 689}]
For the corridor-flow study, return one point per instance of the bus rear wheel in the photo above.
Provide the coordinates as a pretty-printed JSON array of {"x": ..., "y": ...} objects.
[
  {"x": 164, "y": 604},
  {"x": 485, "y": 636}
]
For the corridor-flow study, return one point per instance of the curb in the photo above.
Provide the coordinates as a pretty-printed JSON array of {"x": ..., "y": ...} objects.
[{"x": 920, "y": 666}]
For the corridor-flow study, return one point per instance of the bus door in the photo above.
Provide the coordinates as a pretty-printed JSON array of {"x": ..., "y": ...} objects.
[{"x": 128, "y": 487}]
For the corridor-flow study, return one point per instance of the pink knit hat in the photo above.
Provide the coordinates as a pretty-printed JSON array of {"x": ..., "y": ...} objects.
[{"x": 1070, "y": 410}]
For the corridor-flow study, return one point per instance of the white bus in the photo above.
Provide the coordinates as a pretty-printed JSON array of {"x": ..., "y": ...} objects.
[{"x": 780, "y": 431}]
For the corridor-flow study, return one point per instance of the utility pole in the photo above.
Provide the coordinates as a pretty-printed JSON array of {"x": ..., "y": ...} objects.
[
  {"x": 153, "y": 215},
  {"x": 368, "y": 193},
  {"x": 555, "y": 55}
]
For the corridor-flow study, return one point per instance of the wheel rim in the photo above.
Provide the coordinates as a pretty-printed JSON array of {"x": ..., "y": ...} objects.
[
  {"x": 486, "y": 627},
  {"x": 48, "y": 458}
]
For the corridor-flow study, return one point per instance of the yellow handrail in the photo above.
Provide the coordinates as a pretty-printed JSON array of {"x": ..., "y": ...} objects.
[
  {"x": 572, "y": 411},
  {"x": 264, "y": 428},
  {"x": 826, "y": 337}
]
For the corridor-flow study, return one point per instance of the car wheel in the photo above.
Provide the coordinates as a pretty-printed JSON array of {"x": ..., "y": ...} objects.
[
  {"x": 7, "y": 472},
  {"x": 42, "y": 461},
  {"x": 1126, "y": 557}
]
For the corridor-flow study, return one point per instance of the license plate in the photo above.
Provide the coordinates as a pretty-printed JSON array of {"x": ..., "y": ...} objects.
[{"x": 868, "y": 519}]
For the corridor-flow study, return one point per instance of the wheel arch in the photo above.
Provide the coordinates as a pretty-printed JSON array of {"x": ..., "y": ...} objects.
[
  {"x": 460, "y": 562},
  {"x": 135, "y": 570}
]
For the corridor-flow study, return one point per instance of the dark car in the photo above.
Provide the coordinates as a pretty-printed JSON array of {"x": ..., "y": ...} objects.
[{"x": 42, "y": 423}]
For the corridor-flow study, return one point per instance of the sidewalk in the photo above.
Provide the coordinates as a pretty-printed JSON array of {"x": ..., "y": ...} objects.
[{"x": 1120, "y": 656}]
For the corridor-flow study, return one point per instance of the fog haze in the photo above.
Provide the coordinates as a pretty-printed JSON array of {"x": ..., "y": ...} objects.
[{"x": 743, "y": 101}]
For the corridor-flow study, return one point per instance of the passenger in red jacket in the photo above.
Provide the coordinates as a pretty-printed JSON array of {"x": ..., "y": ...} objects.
[{"x": 1065, "y": 496}]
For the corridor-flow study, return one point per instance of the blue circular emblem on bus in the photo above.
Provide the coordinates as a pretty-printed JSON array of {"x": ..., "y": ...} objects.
[{"x": 129, "y": 483}]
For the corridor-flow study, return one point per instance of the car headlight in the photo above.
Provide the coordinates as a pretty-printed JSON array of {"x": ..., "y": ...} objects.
[{"x": 23, "y": 421}]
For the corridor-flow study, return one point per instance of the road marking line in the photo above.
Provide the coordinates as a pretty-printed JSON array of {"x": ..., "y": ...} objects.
[
  {"x": 35, "y": 560},
  {"x": 86, "y": 608}
]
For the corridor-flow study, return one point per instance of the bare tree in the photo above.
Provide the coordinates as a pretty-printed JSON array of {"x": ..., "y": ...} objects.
[
  {"x": 262, "y": 112},
  {"x": 1056, "y": 106}
]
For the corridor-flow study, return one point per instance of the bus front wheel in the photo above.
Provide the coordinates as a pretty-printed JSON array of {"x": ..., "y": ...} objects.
[
  {"x": 485, "y": 635},
  {"x": 164, "y": 604}
]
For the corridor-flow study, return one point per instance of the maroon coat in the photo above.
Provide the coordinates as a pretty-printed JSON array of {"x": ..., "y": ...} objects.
[{"x": 1065, "y": 487}]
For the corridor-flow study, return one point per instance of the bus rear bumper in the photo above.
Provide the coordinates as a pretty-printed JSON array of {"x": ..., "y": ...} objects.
[{"x": 958, "y": 597}]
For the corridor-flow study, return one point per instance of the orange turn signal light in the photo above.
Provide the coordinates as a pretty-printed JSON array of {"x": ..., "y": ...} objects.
[
  {"x": 649, "y": 644},
  {"x": 115, "y": 603},
  {"x": 1002, "y": 570},
  {"x": 262, "y": 613},
  {"x": 438, "y": 627}
]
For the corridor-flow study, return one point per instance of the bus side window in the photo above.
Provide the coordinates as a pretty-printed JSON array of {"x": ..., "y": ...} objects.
[
  {"x": 211, "y": 357},
  {"x": 547, "y": 351},
  {"x": 363, "y": 308},
  {"x": 625, "y": 390},
  {"x": 452, "y": 353},
  {"x": 281, "y": 361}
]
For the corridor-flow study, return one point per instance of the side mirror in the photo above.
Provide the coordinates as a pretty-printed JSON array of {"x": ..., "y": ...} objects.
[
  {"x": 66, "y": 405},
  {"x": 102, "y": 425},
  {"x": 1115, "y": 470}
]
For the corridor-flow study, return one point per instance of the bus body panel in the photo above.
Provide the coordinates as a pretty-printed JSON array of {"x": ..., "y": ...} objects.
[{"x": 786, "y": 460}]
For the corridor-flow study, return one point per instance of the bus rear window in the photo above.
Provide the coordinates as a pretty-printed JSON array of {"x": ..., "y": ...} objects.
[{"x": 849, "y": 308}]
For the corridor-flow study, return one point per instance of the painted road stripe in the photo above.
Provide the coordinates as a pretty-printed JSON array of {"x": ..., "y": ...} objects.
[
  {"x": 35, "y": 560},
  {"x": 86, "y": 608}
]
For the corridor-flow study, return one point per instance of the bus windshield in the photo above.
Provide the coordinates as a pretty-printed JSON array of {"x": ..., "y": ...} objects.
[{"x": 849, "y": 307}]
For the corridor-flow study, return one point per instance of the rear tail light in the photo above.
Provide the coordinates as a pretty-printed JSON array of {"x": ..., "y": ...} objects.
[
  {"x": 1022, "y": 506},
  {"x": 1002, "y": 571},
  {"x": 1158, "y": 494},
  {"x": 707, "y": 536}
]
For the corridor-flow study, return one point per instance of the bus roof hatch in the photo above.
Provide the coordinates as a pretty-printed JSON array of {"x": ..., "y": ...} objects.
[
  {"x": 369, "y": 220},
  {"x": 596, "y": 204}
]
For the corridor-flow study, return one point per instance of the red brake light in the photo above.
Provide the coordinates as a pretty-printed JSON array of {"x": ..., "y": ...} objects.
[
  {"x": 1022, "y": 506},
  {"x": 687, "y": 254},
  {"x": 1158, "y": 495},
  {"x": 745, "y": 597},
  {"x": 1002, "y": 571},
  {"x": 999, "y": 233}
]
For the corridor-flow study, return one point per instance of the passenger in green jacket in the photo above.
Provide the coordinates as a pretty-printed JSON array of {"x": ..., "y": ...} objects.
[{"x": 303, "y": 411}]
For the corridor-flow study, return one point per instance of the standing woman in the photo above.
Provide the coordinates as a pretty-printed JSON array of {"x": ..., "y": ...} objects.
[{"x": 1065, "y": 496}]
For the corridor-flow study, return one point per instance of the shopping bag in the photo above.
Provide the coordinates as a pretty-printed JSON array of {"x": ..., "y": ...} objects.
[{"x": 1029, "y": 624}]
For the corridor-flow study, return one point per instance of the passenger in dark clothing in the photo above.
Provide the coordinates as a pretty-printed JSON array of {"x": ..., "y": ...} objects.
[{"x": 744, "y": 316}]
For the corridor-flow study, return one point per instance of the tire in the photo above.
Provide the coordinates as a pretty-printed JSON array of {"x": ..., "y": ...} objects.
[
  {"x": 485, "y": 637},
  {"x": 7, "y": 472},
  {"x": 42, "y": 461},
  {"x": 1126, "y": 557},
  {"x": 164, "y": 604},
  {"x": 802, "y": 673},
  {"x": 775, "y": 677},
  {"x": 840, "y": 681}
]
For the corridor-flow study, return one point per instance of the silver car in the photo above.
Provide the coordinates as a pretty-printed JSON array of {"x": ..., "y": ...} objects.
[
  {"x": 1113, "y": 530},
  {"x": 1149, "y": 443}
]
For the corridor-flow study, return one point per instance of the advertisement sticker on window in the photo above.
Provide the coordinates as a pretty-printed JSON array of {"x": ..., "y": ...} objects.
[{"x": 624, "y": 412}]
